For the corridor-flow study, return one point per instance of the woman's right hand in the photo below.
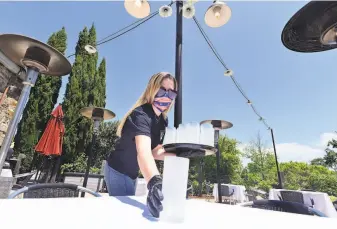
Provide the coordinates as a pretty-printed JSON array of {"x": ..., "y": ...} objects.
[{"x": 155, "y": 196}]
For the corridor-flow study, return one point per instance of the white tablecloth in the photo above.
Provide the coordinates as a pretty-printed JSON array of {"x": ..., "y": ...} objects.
[
  {"x": 239, "y": 192},
  {"x": 126, "y": 212},
  {"x": 321, "y": 200}
]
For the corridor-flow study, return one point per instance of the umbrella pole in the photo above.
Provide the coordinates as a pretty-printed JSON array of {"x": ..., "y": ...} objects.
[
  {"x": 32, "y": 164},
  {"x": 89, "y": 161},
  {"x": 55, "y": 170}
]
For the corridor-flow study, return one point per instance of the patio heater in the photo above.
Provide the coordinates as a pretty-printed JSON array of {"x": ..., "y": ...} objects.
[
  {"x": 313, "y": 28},
  {"x": 35, "y": 57},
  {"x": 97, "y": 115},
  {"x": 218, "y": 125},
  {"x": 217, "y": 15}
]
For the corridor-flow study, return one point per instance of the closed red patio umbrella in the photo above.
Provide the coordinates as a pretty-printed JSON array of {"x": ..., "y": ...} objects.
[
  {"x": 51, "y": 141},
  {"x": 50, "y": 145}
]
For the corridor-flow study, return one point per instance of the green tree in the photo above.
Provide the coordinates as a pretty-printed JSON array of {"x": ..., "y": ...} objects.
[
  {"x": 300, "y": 175},
  {"x": 318, "y": 161},
  {"x": 42, "y": 100},
  {"x": 89, "y": 89},
  {"x": 204, "y": 169},
  {"x": 330, "y": 158},
  {"x": 99, "y": 85},
  {"x": 260, "y": 171},
  {"x": 105, "y": 143},
  {"x": 80, "y": 85}
]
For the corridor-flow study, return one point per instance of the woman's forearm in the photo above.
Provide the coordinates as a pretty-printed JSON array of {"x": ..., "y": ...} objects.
[
  {"x": 145, "y": 158},
  {"x": 161, "y": 156},
  {"x": 147, "y": 165},
  {"x": 159, "y": 153}
]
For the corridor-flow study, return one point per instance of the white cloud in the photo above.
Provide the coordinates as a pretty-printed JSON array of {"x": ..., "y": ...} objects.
[
  {"x": 326, "y": 137},
  {"x": 299, "y": 152}
]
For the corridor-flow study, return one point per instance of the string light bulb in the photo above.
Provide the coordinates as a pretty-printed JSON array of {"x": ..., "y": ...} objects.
[
  {"x": 165, "y": 11},
  {"x": 90, "y": 49},
  {"x": 229, "y": 72},
  {"x": 138, "y": 3},
  {"x": 217, "y": 12}
]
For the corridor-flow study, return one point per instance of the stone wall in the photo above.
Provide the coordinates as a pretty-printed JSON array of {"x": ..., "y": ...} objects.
[
  {"x": 6, "y": 113},
  {"x": 8, "y": 78},
  {"x": 8, "y": 105}
]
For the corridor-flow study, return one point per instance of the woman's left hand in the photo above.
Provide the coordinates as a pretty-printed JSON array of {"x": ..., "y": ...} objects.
[{"x": 159, "y": 153}]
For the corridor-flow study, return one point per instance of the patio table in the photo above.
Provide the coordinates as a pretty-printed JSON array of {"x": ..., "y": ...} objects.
[{"x": 131, "y": 212}]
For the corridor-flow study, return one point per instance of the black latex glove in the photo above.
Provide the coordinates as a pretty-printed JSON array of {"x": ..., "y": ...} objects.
[{"x": 155, "y": 196}]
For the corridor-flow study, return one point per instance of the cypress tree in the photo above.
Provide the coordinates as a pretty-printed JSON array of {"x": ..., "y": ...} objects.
[
  {"x": 73, "y": 99},
  {"x": 41, "y": 102},
  {"x": 78, "y": 92},
  {"x": 99, "y": 90}
]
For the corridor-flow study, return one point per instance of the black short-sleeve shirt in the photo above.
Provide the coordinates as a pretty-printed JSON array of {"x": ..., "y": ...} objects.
[{"x": 142, "y": 121}]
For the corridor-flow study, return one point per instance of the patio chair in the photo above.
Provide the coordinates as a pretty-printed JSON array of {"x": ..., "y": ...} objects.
[
  {"x": 296, "y": 197},
  {"x": 22, "y": 180},
  {"x": 226, "y": 194},
  {"x": 51, "y": 190},
  {"x": 283, "y": 206}
]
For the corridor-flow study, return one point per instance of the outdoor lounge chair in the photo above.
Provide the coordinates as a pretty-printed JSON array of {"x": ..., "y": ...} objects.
[
  {"x": 51, "y": 190},
  {"x": 283, "y": 206}
]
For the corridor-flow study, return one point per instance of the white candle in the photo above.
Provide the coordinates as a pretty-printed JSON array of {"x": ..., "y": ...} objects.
[
  {"x": 170, "y": 135},
  {"x": 207, "y": 134},
  {"x": 174, "y": 188}
]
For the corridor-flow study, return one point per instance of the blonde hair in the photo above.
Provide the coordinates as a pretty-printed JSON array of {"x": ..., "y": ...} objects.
[{"x": 148, "y": 96}]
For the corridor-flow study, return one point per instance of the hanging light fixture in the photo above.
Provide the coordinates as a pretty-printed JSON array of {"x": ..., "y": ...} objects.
[
  {"x": 165, "y": 11},
  {"x": 217, "y": 14},
  {"x": 137, "y": 8}
]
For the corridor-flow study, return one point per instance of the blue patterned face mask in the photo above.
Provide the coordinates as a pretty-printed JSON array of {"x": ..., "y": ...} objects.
[
  {"x": 161, "y": 106},
  {"x": 163, "y": 93}
]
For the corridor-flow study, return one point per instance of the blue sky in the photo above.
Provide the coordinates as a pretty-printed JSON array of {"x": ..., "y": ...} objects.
[{"x": 294, "y": 92}]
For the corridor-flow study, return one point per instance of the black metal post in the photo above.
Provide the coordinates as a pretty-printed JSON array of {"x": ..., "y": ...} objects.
[
  {"x": 277, "y": 167},
  {"x": 178, "y": 71},
  {"x": 216, "y": 139},
  {"x": 86, "y": 175}
]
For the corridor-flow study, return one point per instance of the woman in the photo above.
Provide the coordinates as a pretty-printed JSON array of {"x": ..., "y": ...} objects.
[{"x": 141, "y": 133}]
